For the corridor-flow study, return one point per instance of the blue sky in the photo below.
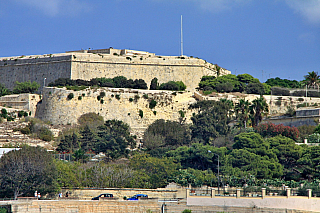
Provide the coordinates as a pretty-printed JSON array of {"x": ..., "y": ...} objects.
[{"x": 276, "y": 38}]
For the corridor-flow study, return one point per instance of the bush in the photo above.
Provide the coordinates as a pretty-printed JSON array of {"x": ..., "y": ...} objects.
[
  {"x": 255, "y": 88},
  {"x": 224, "y": 87},
  {"x": 154, "y": 84},
  {"x": 25, "y": 130},
  {"x": 25, "y": 87},
  {"x": 145, "y": 96},
  {"x": 102, "y": 94},
  {"x": 141, "y": 113},
  {"x": 270, "y": 129},
  {"x": 136, "y": 98},
  {"x": 130, "y": 99},
  {"x": 80, "y": 98},
  {"x": 70, "y": 96},
  {"x": 152, "y": 104},
  {"x": 89, "y": 119},
  {"x": 280, "y": 91},
  {"x": 117, "y": 96}
]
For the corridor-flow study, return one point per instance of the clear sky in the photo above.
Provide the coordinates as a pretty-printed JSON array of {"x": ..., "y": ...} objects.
[{"x": 265, "y": 38}]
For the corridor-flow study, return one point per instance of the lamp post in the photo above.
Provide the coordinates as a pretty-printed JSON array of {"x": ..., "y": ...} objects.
[{"x": 218, "y": 170}]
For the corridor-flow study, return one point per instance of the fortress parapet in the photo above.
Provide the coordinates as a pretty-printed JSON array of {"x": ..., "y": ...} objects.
[{"x": 108, "y": 63}]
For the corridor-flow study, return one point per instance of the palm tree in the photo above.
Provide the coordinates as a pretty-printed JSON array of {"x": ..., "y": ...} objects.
[
  {"x": 242, "y": 112},
  {"x": 258, "y": 109},
  {"x": 312, "y": 79}
]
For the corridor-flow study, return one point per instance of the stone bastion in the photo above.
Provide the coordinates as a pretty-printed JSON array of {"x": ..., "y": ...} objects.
[
  {"x": 132, "y": 106},
  {"x": 108, "y": 63}
]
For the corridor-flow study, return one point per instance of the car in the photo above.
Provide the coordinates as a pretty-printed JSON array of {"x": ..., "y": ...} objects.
[
  {"x": 137, "y": 196},
  {"x": 105, "y": 195}
]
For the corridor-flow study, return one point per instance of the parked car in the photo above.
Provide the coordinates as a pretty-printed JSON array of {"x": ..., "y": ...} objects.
[
  {"x": 137, "y": 196},
  {"x": 103, "y": 196}
]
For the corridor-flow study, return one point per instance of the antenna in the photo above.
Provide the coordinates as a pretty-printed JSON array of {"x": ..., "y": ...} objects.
[{"x": 181, "y": 38}]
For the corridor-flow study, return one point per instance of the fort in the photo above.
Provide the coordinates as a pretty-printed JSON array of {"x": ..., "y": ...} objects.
[{"x": 108, "y": 63}]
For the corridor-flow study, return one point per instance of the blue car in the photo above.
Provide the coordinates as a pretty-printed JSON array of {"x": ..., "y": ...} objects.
[{"x": 136, "y": 197}]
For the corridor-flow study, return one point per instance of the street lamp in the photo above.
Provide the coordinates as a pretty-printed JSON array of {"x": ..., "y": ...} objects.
[{"x": 218, "y": 170}]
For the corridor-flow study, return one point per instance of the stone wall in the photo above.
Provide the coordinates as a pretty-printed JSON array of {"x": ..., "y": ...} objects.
[
  {"x": 34, "y": 68},
  {"x": 25, "y": 102},
  {"x": 87, "y": 65},
  {"x": 120, "y": 193},
  {"x": 121, "y": 104},
  {"x": 303, "y": 204},
  {"x": 165, "y": 68},
  {"x": 141, "y": 206}
]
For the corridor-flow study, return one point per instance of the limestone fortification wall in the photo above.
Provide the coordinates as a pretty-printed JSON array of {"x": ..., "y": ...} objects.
[
  {"x": 102, "y": 63},
  {"x": 121, "y": 104},
  {"x": 165, "y": 68},
  {"x": 26, "y": 102},
  {"x": 34, "y": 68}
]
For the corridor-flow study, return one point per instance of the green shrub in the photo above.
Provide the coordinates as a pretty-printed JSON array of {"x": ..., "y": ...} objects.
[
  {"x": 83, "y": 94},
  {"x": 145, "y": 96},
  {"x": 3, "y": 210},
  {"x": 70, "y": 96},
  {"x": 280, "y": 91},
  {"x": 152, "y": 104},
  {"x": 80, "y": 98},
  {"x": 117, "y": 96},
  {"x": 182, "y": 114},
  {"x": 300, "y": 99},
  {"x": 136, "y": 98},
  {"x": 130, "y": 99},
  {"x": 155, "y": 112},
  {"x": 25, "y": 130},
  {"x": 102, "y": 94},
  {"x": 187, "y": 211},
  {"x": 98, "y": 97},
  {"x": 141, "y": 113},
  {"x": 25, "y": 87},
  {"x": 101, "y": 101}
]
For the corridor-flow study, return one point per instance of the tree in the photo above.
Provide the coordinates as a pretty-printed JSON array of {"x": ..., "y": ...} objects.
[
  {"x": 258, "y": 109},
  {"x": 278, "y": 82},
  {"x": 91, "y": 119},
  {"x": 255, "y": 88},
  {"x": 158, "y": 171},
  {"x": 212, "y": 121},
  {"x": 154, "y": 84},
  {"x": 26, "y": 170},
  {"x": 69, "y": 143},
  {"x": 245, "y": 162},
  {"x": 165, "y": 134},
  {"x": 197, "y": 156},
  {"x": 287, "y": 151},
  {"x": 242, "y": 112},
  {"x": 3, "y": 90},
  {"x": 312, "y": 79},
  {"x": 88, "y": 139},
  {"x": 114, "y": 138},
  {"x": 25, "y": 87}
]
